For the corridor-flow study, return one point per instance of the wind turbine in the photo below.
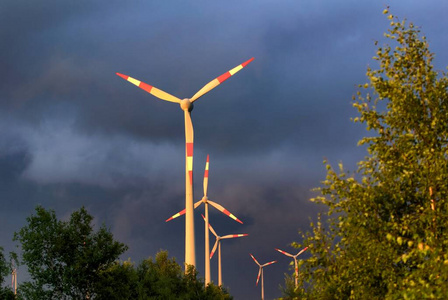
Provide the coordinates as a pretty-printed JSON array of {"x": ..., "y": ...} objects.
[
  {"x": 14, "y": 279},
  {"x": 187, "y": 106},
  {"x": 218, "y": 245},
  {"x": 206, "y": 202},
  {"x": 260, "y": 272},
  {"x": 296, "y": 268}
]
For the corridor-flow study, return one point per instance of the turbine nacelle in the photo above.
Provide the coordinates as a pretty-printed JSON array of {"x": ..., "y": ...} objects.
[{"x": 186, "y": 105}]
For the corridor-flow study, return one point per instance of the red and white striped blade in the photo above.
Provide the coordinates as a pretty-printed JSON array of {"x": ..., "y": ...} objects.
[
  {"x": 301, "y": 251},
  {"x": 189, "y": 138},
  {"x": 269, "y": 263},
  {"x": 231, "y": 236},
  {"x": 224, "y": 211},
  {"x": 206, "y": 176},
  {"x": 258, "y": 277},
  {"x": 182, "y": 212},
  {"x": 254, "y": 259},
  {"x": 285, "y": 253},
  {"x": 210, "y": 226},
  {"x": 214, "y": 248},
  {"x": 151, "y": 89},
  {"x": 217, "y": 81}
]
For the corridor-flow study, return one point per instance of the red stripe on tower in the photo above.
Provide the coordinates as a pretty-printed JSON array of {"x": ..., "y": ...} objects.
[
  {"x": 190, "y": 174},
  {"x": 189, "y": 149}
]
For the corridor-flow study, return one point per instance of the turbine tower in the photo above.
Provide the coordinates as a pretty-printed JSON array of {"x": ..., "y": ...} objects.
[
  {"x": 206, "y": 202},
  {"x": 187, "y": 106},
  {"x": 296, "y": 268},
  {"x": 260, "y": 272},
  {"x": 14, "y": 279},
  {"x": 218, "y": 245}
]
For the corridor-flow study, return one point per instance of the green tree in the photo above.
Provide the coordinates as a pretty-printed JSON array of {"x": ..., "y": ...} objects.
[
  {"x": 65, "y": 258},
  {"x": 5, "y": 270},
  {"x": 119, "y": 281},
  {"x": 163, "y": 278},
  {"x": 385, "y": 233}
]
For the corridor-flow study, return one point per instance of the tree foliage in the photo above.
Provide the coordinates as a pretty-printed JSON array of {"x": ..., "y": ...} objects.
[
  {"x": 5, "y": 270},
  {"x": 69, "y": 260},
  {"x": 159, "y": 278},
  {"x": 384, "y": 235},
  {"x": 65, "y": 258}
]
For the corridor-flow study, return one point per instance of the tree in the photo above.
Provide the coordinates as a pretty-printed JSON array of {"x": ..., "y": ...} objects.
[
  {"x": 163, "y": 278},
  {"x": 385, "y": 235},
  {"x": 5, "y": 270},
  {"x": 65, "y": 259}
]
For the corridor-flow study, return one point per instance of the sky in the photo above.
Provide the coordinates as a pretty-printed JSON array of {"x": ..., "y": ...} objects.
[{"x": 74, "y": 134}]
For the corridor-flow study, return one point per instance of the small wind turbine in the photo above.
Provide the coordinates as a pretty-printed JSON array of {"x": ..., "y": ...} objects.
[
  {"x": 187, "y": 106},
  {"x": 296, "y": 268},
  {"x": 218, "y": 245},
  {"x": 206, "y": 201},
  {"x": 260, "y": 272}
]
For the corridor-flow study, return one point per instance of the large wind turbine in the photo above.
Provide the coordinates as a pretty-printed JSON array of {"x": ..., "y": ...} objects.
[
  {"x": 206, "y": 202},
  {"x": 187, "y": 106},
  {"x": 218, "y": 245},
  {"x": 260, "y": 272},
  {"x": 296, "y": 268}
]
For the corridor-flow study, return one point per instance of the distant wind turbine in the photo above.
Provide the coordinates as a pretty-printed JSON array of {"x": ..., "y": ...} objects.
[
  {"x": 14, "y": 279},
  {"x": 206, "y": 202},
  {"x": 187, "y": 106},
  {"x": 218, "y": 245},
  {"x": 260, "y": 272},
  {"x": 296, "y": 268}
]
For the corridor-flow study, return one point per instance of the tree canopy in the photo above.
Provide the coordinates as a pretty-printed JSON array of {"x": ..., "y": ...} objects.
[
  {"x": 70, "y": 260},
  {"x": 384, "y": 235},
  {"x": 65, "y": 258}
]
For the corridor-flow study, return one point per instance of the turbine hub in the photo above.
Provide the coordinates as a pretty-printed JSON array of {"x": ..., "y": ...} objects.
[{"x": 186, "y": 104}]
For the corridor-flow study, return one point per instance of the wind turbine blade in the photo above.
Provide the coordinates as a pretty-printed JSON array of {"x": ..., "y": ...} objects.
[
  {"x": 189, "y": 138},
  {"x": 206, "y": 176},
  {"x": 269, "y": 263},
  {"x": 301, "y": 251},
  {"x": 224, "y": 211},
  {"x": 254, "y": 259},
  {"x": 231, "y": 236},
  {"x": 214, "y": 248},
  {"x": 285, "y": 253},
  {"x": 151, "y": 89},
  {"x": 197, "y": 204},
  {"x": 258, "y": 277},
  {"x": 182, "y": 212},
  {"x": 217, "y": 81},
  {"x": 210, "y": 227}
]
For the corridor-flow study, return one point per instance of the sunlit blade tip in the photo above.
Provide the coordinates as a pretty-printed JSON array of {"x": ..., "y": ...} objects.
[
  {"x": 247, "y": 62},
  {"x": 125, "y": 77},
  {"x": 182, "y": 212}
]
